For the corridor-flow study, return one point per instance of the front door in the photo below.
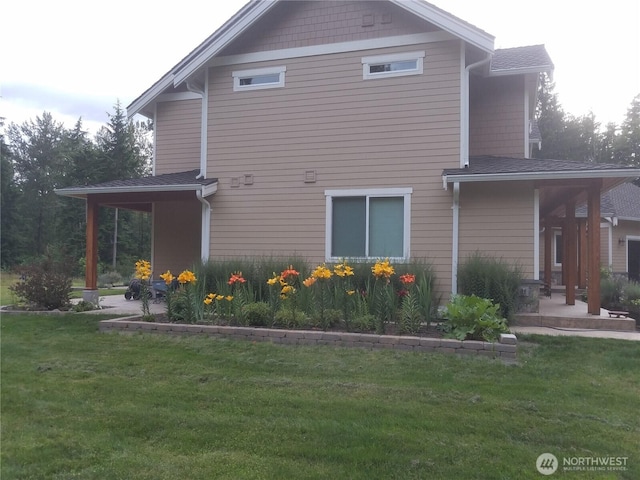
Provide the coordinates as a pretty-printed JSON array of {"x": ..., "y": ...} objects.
[{"x": 633, "y": 259}]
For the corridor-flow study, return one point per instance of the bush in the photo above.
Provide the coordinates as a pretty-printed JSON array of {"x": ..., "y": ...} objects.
[
  {"x": 46, "y": 283},
  {"x": 257, "y": 314},
  {"x": 83, "y": 306},
  {"x": 109, "y": 279},
  {"x": 491, "y": 278},
  {"x": 611, "y": 292},
  {"x": 473, "y": 318}
]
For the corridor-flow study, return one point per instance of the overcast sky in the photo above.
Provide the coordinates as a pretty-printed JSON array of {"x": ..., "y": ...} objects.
[{"x": 77, "y": 58}]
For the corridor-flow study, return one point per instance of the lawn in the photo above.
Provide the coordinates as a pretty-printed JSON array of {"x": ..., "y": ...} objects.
[{"x": 80, "y": 404}]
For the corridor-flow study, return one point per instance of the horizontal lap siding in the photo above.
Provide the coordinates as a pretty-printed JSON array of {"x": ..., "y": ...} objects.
[
  {"x": 496, "y": 219},
  {"x": 354, "y": 133},
  {"x": 176, "y": 228},
  {"x": 178, "y": 125},
  {"x": 623, "y": 229}
]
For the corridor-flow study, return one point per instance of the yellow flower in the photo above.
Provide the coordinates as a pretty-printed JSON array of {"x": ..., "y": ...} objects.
[
  {"x": 186, "y": 277},
  {"x": 273, "y": 280},
  {"x": 212, "y": 296},
  {"x": 382, "y": 269},
  {"x": 228, "y": 298},
  {"x": 208, "y": 300},
  {"x": 167, "y": 277},
  {"x": 143, "y": 269},
  {"x": 219, "y": 297},
  {"x": 350, "y": 292},
  {"x": 287, "y": 289},
  {"x": 321, "y": 272},
  {"x": 343, "y": 270},
  {"x": 309, "y": 281}
]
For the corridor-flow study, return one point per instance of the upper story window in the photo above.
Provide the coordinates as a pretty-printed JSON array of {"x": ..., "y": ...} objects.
[
  {"x": 393, "y": 65},
  {"x": 259, "y": 78}
]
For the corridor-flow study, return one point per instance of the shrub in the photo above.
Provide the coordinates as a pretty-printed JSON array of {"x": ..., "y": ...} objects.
[
  {"x": 257, "y": 314},
  {"x": 611, "y": 292},
  {"x": 46, "y": 283},
  {"x": 491, "y": 278},
  {"x": 364, "y": 323},
  {"x": 109, "y": 279},
  {"x": 473, "y": 318},
  {"x": 290, "y": 318},
  {"x": 83, "y": 306}
]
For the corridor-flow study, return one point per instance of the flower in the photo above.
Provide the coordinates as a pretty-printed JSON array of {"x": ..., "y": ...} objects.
[
  {"x": 228, "y": 298},
  {"x": 350, "y": 292},
  {"x": 273, "y": 280},
  {"x": 289, "y": 272},
  {"x": 208, "y": 300},
  {"x": 382, "y": 269},
  {"x": 321, "y": 272},
  {"x": 407, "y": 278},
  {"x": 143, "y": 269},
  {"x": 343, "y": 270},
  {"x": 287, "y": 289},
  {"x": 187, "y": 277},
  {"x": 219, "y": 297},
  {"x": 309, "y": 281},
  {"x": 167, "y": 277},
  {"x": 236, "y": 278}
]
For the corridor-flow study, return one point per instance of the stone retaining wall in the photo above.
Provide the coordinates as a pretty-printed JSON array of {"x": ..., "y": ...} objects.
[{"x": 506, "y": 348}]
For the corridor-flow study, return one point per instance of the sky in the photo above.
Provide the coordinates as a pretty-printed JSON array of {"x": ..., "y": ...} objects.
[{"x": 76, "y": 59}]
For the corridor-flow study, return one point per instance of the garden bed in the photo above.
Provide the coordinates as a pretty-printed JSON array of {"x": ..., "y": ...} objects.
[{"x": 505, "y": 348}]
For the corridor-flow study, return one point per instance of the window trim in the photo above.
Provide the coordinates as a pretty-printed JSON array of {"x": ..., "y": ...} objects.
[
  {"x": 404, "y": 192},
  {"x": 241, "y": 74},
  {"x": 390, "y": 58},
  {"x": 556, "y": 234}
]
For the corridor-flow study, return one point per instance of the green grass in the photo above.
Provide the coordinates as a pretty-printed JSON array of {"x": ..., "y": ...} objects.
[{"x": 80, "y": 404}]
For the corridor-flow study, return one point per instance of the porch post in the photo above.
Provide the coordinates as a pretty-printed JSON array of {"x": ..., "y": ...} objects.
[
  {"x": 593, "y": 234},
  {"x": 582, "y": 253},
  {"x": 571, "y": 253},
  {"x": 90, "y": 293},
  {"x": 548, "y": 237}
]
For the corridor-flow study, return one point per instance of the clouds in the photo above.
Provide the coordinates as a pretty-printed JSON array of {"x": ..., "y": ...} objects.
[{"x": 76, "y": 59}]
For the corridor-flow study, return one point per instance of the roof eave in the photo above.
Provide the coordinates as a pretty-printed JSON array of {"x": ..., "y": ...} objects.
[
  {"x": 521, "y": 71},
  {"x": 82, "y": 192},
  {"x": 501, "y": 177},
  {"x": 474, "y": 36}
]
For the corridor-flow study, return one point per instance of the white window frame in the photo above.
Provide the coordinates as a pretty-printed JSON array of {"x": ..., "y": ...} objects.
[
  {"x": 556, "y": 234},
  {"x": 369, "y": 193},
  {"x": 256, "y": 72},
  {"x": 367, "y": 62}
]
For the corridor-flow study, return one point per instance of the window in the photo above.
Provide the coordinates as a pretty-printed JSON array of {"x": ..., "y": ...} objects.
[
  {"x": 258, "y": 79},
  {"x": 558, "y": 248},
  {"x": 394, "y": 65},
  {"x": 368, "y": 223}
]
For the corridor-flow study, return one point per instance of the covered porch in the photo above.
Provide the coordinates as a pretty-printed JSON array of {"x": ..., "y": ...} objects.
[
  {"x": 143, "y": 194},
  {"x": 557, "y": 188}
]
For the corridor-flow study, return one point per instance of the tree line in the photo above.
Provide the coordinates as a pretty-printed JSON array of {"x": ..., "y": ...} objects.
[{"x": 41, "y": 155}]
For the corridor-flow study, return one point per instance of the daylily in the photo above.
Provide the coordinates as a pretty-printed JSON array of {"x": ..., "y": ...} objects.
[{"x": 167, "y": 277}]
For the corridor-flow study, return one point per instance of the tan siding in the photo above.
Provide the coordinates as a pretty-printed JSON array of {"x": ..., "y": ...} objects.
[
  {"x": 178, "y": 126},
  {"x": 497, "y": 219},
  {"x": 354, "y": 133},
  {"x": 496, "y": 117},
  {"x": 301, "y": 24},
  {"x": 623, "y": 229},
  {"x": 176, "y": 233}
]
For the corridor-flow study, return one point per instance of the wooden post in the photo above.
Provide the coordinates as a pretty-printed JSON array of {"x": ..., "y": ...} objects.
[
  {"x": 91, "y": 268},
  {"x": 593, "y": 236},
  {"x": 571, "y": 257},
  {"x": 582, "y": 253}
]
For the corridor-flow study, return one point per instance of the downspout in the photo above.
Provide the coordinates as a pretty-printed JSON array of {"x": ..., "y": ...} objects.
[
  {"x": 205, "y": 227},
  {"x": 464, "y": 163}
]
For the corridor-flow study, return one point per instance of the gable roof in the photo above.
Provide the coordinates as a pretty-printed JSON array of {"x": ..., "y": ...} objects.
[
  {"x": 256, "y": 9},
  {"x": 519, "y": 60}
]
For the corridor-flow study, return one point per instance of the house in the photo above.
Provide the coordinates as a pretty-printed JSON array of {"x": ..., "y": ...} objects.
[
  {"x": 358, "y": 129},
  {"x": 619, "y": 235}
]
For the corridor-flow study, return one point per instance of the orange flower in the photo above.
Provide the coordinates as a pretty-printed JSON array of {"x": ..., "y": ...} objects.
[
  {"x": 309, "y": 281},
  {"x": 236, "y": 278},
  {"x": 407, "y": 278},
  {"x": 289, "y": 272},
  {"x": 167, "y": 277}
]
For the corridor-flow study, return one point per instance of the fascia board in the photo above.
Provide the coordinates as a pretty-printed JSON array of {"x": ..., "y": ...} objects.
[
  {"x": 83, "y": 191},
  {"x": 147, "y": 97},
  {"x": 484, "y": 41},
  {"x": 521, "y": 71},
  {"x": 501, "y": 177},
  {"x": 203, "y": 57}
]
